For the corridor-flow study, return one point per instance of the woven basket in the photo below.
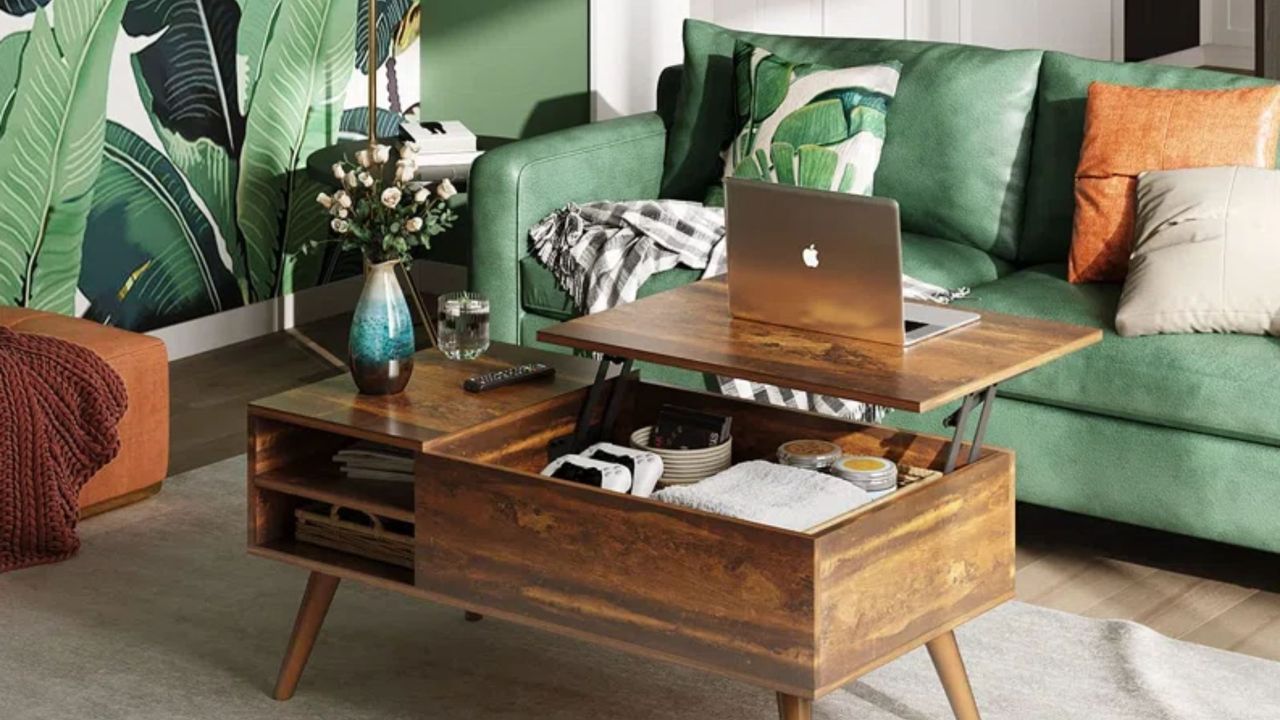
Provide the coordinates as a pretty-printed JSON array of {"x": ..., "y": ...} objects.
[{"x": 353, "y": 531}]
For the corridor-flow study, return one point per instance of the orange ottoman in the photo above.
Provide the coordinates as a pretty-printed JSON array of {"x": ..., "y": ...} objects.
[{"x": 143, "y": 364}]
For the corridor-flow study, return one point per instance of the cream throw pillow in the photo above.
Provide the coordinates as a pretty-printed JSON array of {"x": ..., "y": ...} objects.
[{"x": 1206, "y": 256}]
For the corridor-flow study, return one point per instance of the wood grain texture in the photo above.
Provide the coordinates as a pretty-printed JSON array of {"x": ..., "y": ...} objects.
[
  {"x": 306, "y": 627},
  {"x": 899, "y": 573},
  {"x": 432, "y": 406},
  {"x": 715, "y": 593},
  {"x": 691, "y": 327},
  {"x": 753, "y": 602}
]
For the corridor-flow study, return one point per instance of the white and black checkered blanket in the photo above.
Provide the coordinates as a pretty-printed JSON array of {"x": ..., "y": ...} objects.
[{"x": 601, "y": 253}]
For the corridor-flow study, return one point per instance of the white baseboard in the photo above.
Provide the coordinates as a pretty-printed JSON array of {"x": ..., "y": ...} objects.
[{"x": 284, "y": 313}]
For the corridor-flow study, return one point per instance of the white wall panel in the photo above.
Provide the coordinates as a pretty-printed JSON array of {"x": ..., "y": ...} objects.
[
  {"x": 631, "y": 42},
  {"x": 865, "y": 18},
  {"x": 1081, "y": 27}
]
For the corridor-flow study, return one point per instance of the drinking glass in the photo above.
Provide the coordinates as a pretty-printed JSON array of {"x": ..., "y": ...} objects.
[{"x": 463, "y": 325}]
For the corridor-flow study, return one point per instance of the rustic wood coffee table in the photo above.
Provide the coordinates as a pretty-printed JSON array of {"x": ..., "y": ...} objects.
[{"x": 800, "y": 614}]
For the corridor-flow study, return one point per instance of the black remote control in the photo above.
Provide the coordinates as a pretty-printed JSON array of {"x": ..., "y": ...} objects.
[{"x": 509, "y": 376}]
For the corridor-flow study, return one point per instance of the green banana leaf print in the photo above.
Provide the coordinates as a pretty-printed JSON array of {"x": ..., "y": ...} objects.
[
  {"x": 151, "y": 256},
  {"x": 796, "y": 129},
  {"x": 392, "y": 17},
  {"x": 355, "y": 123},
  {"x": 52, "y": 150},
  {"x": 295, "y": 110},
  {"x": 257, "y": 26},
  {"x": 11, "y": 48},
  {"x": 187, "y": 78},
  {"x": 21, "y": 7}
]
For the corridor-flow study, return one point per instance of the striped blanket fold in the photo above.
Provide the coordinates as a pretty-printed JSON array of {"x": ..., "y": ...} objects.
[{"x": 602, "y": 253}]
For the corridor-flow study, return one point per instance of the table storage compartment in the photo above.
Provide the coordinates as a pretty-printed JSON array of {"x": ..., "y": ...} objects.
[{"x": 798, "y": 612}]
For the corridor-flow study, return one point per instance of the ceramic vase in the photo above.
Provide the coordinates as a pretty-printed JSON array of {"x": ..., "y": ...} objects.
[{"x": 381, "y": 341}]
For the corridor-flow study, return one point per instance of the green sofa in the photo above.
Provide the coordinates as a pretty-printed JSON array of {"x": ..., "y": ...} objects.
[{"x": 1173, "y": 432}]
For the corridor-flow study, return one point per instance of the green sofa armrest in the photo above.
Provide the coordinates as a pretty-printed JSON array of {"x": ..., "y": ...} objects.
[{"x": 516, "y": 185}]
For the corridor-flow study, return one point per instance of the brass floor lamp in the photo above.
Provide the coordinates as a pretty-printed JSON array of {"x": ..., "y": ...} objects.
[{"x": 405, "y": 276}]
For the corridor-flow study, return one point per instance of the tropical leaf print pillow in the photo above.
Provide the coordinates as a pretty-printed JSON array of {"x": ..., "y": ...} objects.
[{"x": 809, "y": 125}]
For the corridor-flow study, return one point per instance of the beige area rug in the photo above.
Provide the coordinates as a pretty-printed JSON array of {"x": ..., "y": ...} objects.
[{"x": 163, "y": 617}]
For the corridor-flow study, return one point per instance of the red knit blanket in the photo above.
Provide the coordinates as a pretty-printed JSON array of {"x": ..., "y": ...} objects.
[{"x": 59, "y": 407}]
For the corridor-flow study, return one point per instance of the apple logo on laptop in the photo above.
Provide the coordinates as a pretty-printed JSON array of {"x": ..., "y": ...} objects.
[{"x": 810, "y": 256}]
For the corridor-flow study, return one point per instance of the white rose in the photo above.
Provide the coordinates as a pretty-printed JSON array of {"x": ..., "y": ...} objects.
[
  {"x": 351, "y": 182},
  {"x": 422, "y": 195},
  {"x": 413, "y": 224},
  {"x": 363, "y": 158},
  {"x": 338, "y": 172},
  {"x": 366, "y": 179},
  {"x": 381, "y": 154},
  {"x": 409, "y": 149},
  {"x": 342, "y": 213},
  {"x": 404, "y": 173},
  {"x": 446, "y": 190},
  {"x": 391, "y": 197},
  {"x": 324, "y": 200},
  {"x": 340, "y": 226},
  {"x": 343, "y": 199}
]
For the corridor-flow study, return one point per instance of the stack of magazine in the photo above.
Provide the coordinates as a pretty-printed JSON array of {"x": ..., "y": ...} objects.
[
  {"x": 445, "y": 149},
  {"x": 366, "y": 461}
]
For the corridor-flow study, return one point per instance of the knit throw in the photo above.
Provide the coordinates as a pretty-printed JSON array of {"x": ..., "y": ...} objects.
[{"x": 59, "y": 408}]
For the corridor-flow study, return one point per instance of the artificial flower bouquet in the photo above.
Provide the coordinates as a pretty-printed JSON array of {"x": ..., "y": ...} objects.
[{"x": 381, "y": 210}]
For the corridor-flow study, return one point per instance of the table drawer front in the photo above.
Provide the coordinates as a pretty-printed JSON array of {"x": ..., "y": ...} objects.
[{"x": 708, "y": 591}]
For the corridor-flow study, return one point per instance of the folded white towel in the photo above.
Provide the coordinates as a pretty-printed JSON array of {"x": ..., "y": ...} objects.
[{"x": 770, "y": 494}]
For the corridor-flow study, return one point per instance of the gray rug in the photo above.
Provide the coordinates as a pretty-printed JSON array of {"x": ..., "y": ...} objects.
[{"x": 163, "y": 616}]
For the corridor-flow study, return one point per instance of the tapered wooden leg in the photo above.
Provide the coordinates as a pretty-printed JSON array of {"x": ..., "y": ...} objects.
[
  {"x": 945, "y": 654},
  {"x": 472, "y": 616},
  {"x": 315, "y": 605},
  {"x": 791, "y": 707}
]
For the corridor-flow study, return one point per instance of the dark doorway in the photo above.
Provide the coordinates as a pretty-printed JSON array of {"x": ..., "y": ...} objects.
[{"x": 1158, "y": 27}]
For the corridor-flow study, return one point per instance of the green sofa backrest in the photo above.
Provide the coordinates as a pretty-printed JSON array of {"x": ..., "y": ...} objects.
[
  {"x": 958, "y": 142},
  {"x": 1059, "y": 131}
]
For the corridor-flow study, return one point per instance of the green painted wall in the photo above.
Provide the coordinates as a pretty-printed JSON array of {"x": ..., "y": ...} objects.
[{"x": 511, "y": 68}]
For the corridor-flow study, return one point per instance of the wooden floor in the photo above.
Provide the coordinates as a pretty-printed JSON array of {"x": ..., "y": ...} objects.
[{"x": 1204, "y": 592}]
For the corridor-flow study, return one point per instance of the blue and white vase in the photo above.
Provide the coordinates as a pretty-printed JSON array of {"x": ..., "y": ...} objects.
[{"x": 381, "y": 343}]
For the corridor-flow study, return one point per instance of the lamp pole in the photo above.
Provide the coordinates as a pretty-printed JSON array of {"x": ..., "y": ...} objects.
[{"x": 373, "y": 73}]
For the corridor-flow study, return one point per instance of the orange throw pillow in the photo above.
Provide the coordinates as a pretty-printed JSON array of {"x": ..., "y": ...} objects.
[{"x": 1130, "y": 130}]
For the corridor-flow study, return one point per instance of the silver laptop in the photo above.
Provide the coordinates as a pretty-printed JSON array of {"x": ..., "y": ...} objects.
[{"x": 824, "y": 261}]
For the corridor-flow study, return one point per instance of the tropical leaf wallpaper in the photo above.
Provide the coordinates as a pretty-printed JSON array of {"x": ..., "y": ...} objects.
[
  {"x": 153, "y": 152},
  {"x": 809, "y": 125}
]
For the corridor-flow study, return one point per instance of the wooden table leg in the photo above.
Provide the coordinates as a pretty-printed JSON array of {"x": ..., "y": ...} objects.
[
  {"x": 945, "y": 654},
  {"x": 791, "y": 707},
  {"x": 315, "y": 605}
]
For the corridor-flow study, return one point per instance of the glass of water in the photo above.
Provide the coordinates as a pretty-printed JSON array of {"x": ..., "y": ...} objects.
[{"x": 463, "y": 325}]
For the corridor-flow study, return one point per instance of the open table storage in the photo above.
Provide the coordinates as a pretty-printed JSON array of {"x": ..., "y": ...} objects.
[{"x": 798, "y": 613}]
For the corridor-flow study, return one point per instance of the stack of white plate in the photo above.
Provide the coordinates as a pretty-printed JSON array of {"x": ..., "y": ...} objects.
[{"x": 681, "y": 467}]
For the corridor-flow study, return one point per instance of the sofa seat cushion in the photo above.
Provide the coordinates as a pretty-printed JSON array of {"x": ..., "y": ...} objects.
[
  {"x": 941, "y": 262},
  {"x": 143, "y": 364},
  {"x": 1218, "y": 384},
  {"x": 975, "y": 102}
]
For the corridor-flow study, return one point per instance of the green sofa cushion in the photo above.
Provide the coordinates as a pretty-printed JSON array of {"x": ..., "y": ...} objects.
[
  {"x": 1218, "y": 384},
  {"x": 941, "y": 262},
  {"x": 1200, "y": 485},
  {"x": 542, "y": 295},
  {"x": 975, "y": 103},
  {"x": 1055, "y": 152}
]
